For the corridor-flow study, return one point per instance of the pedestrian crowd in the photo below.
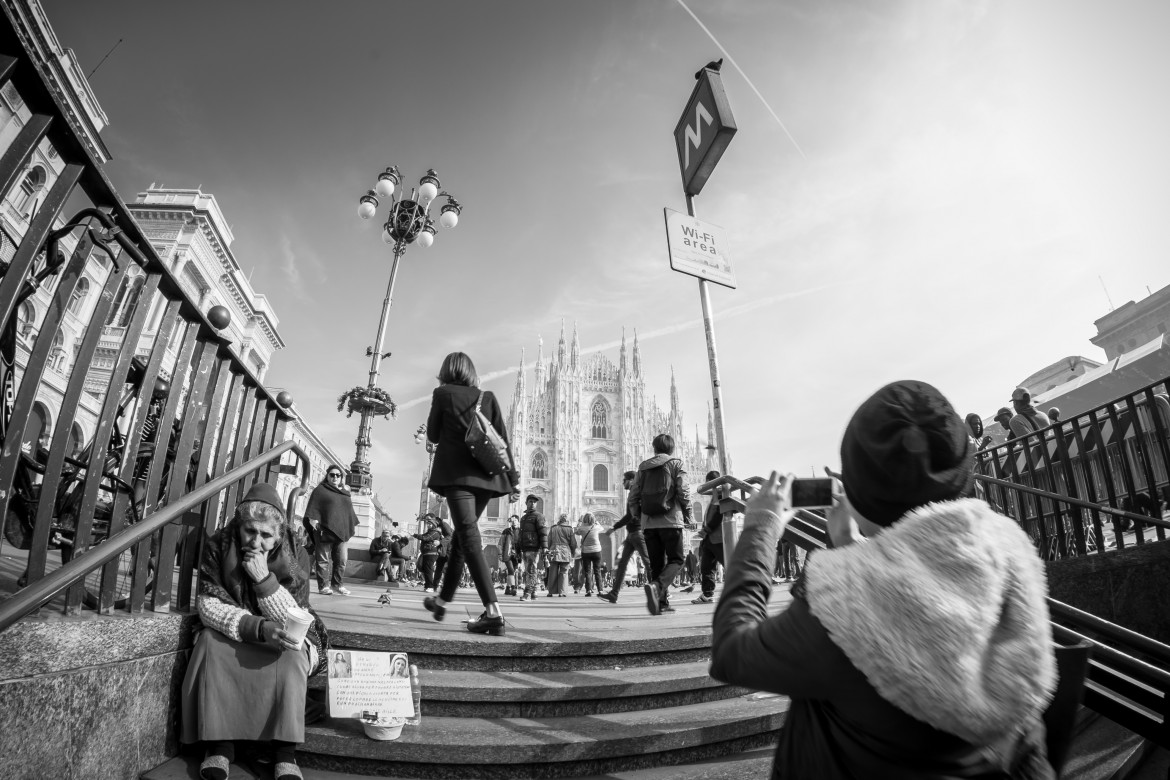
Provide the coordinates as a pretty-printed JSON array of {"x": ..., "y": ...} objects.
[{"x": 917, "y": 645}]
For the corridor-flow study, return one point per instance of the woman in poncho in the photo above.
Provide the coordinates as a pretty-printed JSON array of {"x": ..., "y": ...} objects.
[{"x": 247, "y": 679}]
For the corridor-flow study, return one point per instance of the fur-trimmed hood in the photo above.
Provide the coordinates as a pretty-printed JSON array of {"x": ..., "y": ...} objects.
[{"x": 944, "y": 613}]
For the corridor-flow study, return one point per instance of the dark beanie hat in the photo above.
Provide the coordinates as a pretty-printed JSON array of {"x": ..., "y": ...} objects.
[
  {"x": 266, "y": 494},
  {"x": 905, "y": 446}
]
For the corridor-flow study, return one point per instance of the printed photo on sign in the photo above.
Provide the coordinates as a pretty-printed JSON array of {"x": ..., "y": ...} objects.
[{"x": 369, "y": 686}]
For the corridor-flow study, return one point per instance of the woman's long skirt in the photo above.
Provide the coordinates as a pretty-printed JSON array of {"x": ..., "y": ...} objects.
[{"x": 241, "y": 691}]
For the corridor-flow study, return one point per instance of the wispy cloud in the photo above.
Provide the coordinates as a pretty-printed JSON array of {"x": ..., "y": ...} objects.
[{"x": 668, "y": 330}]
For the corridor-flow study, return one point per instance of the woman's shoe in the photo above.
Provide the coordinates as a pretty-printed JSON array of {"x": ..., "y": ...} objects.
[
  {"x": 563, "y": 595},
  {"x": 214, "y": 767},
  {"x": 287, "y": 770},
  {"x": 486, "y": 624},
  {"x": 438, "y": 612}
]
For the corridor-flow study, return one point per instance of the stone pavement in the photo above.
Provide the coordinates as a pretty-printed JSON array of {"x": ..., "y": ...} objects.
[{"x": 546, "y": 621}]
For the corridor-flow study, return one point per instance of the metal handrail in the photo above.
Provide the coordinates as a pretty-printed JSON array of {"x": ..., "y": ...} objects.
[
  {"x": 41, "y": 592},
  {"x": 1073, "y": 501},
  {"x": 1151, "y": 647}
]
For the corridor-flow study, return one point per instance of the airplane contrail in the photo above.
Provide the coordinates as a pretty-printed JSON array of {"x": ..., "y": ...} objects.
[
  {"x": 745, "y": 77},
  {"x": 667, "y": 330}
]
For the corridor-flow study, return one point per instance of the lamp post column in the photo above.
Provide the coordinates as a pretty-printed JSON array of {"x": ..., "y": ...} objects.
[{"x": 361, "y": 461}]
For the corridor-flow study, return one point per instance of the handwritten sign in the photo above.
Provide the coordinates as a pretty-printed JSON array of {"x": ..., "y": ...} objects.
[{"x": 369, "y": 686}]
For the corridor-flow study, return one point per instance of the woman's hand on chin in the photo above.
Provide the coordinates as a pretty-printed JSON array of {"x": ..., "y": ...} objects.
[{"x": 256, "y": 564}]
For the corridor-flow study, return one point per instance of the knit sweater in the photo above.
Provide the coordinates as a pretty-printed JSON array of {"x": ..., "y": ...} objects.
[{"x": 240, "y": 625}]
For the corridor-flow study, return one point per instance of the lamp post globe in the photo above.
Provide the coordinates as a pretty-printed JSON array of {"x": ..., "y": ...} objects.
[{"x": 407, "y": 222}]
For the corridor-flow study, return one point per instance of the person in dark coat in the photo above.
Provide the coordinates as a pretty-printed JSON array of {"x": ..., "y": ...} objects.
[
  {"x": 459, "y": 478},
  {"x": 710, "y": 545},
  {"x": 430, "y": 541},
  {"x": 922, "y": 650},
  {"x": 332, "y": 520},
  {"x": 634, "y": 542}
]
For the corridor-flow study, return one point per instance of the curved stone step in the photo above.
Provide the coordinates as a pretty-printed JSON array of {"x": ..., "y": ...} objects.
[
  {"x": 556, "y": 694},
  {"x": 530, "y": 651},
  {"x": 752, "y": 763},
  {"x": 570, "y": 746}
]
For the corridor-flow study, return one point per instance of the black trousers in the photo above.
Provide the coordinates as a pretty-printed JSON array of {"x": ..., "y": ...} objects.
[
  {"x": 665, "y": 546},
  {"x": 467, "y": 546},
  {"x": 591, "y": 571},
  {"x": 709, "y": 555},
  {"x": 634, "y": 542},
  {"x": 426, "y": 567}
]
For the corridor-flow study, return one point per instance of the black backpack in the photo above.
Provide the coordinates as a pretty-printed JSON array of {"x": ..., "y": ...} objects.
[{"x": 658, "y": 490}]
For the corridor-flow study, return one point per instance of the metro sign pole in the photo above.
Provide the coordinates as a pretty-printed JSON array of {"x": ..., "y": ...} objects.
[{"x": 701, "y": 136}]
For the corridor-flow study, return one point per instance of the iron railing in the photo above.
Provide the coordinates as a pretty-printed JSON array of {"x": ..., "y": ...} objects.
[
  {"x": 93, "y": 561},
  {"x": 1112, "y": 460},
  {"x": 154, "y": 444}
]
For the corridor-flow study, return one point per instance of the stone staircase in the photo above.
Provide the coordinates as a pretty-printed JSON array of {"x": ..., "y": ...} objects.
[{"x": 577, "y": 688}]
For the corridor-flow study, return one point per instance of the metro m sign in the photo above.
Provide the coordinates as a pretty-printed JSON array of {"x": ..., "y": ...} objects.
[{"x": 704, "y": 131}]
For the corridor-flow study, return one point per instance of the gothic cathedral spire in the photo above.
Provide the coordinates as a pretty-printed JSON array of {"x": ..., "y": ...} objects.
[
  {"x": 561, "y": 346},
  {"x": 622, "y": 359},
  {"x": 539, "y": 379},
  {"x": 575, "y": 355},
  {"x": 637, "y": 356}
]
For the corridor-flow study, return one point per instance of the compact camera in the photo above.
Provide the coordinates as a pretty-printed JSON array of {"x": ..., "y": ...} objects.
[{"x": 812, "y": 492}]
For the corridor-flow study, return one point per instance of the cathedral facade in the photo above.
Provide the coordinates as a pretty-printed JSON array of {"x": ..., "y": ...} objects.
[{"x": 583, "y": 421}]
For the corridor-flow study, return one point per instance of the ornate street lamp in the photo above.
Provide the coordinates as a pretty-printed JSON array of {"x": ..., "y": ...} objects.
[{"x": 408, "y": 221}]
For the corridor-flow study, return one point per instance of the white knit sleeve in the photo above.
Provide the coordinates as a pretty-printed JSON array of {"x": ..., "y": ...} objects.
[
  {"x": 223, "y": 617},
  {"x": 276, "y": 606}
]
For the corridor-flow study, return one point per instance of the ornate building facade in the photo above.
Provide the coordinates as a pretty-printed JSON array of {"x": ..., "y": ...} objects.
[
  {"x": 576, "y": 424},
  {"x": 584, "y": 421}
]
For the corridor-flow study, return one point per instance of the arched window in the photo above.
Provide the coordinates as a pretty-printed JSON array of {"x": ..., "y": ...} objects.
[
  {"x": 600, "y": 478},
  {"x": 539, "y": 466},
  {"x": 26, "y": 319},
  {"x": 76, "y": 441},
  {"x": 77, "y": 300},
  {"x": 600, "y": 420},
  {"x": 39, "y": 431},
  {"x": 697, "y": 512},
  {"x": 33, "y": 183}
]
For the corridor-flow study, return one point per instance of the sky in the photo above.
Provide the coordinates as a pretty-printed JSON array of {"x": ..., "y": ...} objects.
[{"x": 927, "y": 189}]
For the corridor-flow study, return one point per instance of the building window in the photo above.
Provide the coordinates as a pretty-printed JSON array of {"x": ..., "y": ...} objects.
[
  {"x": 600, "y": 478},
  {"x": 493, "y": 509},
  {"x": 34, "y": 182},
  {"x": 57, "y": 353},
  {"x": 600, "y": 420},
  {"x": 76, "y": 441},
  {"x": 77, "y": 300},
  {"x": 125, "y": 301},
  {"x": 39, "y": 429},
  {"x": 539, "y": 466},
  {"x": 26, "y": 320}
]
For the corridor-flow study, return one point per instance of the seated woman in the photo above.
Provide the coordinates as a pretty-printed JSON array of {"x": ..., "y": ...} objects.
[{"x": 247, "y": 679}]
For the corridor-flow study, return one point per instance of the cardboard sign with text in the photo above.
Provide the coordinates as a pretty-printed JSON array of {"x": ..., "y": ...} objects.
[{"x": 369, "y": 685}]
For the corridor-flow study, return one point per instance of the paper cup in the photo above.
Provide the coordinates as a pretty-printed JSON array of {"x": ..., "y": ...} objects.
[
  {"x": 383, "y": 730},
  {"x": 296, "y": 624}
]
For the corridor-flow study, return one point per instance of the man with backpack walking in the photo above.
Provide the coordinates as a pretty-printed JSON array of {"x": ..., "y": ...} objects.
[
  {"x": 532, "y": 542},
  {"x": 634, "y": 542},
  {"x": 661, "y": 498}
]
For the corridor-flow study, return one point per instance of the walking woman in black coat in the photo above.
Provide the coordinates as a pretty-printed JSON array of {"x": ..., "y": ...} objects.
[{"x": 459, "y": 478}]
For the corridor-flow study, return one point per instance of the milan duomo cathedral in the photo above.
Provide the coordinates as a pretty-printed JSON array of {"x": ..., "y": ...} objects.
[{"x": 583, "y": 421}]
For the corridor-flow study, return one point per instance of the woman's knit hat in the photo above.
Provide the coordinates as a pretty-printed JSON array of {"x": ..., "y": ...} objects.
[
  {"x": 265, "y": 494},
  {"x": 905, "y": 446}
]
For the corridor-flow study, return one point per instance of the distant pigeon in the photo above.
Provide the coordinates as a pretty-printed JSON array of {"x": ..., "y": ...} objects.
[
  {"x": 714, "y": 65},
  {"x": 385, "y": 598}
]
